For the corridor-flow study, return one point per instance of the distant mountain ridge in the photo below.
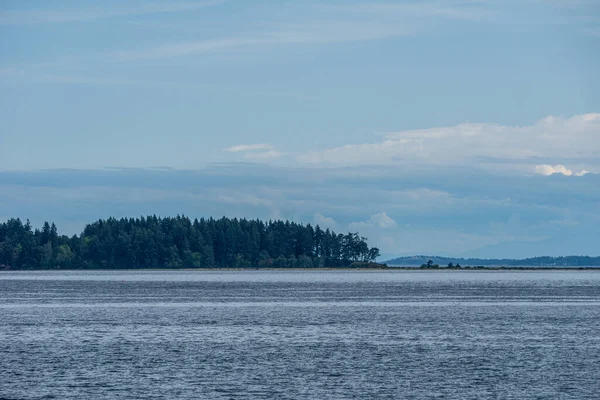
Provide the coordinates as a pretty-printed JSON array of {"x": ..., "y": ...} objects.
[{"x": 572, "y": 261}]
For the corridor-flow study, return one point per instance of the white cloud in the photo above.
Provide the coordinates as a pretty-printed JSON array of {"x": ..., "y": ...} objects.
[
  {"x": 323, "y": 221},
  {"x": 255, "y": 152},
  {"x": 577, "y": 137},
  {"x": 379, "y": 220},
  {"x": 248, "y": 147},
  {"x": 382, "y": 220},
  {"x": 545, "y": 169}
]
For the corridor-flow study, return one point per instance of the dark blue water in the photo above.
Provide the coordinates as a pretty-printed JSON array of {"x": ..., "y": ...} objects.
[{"x": 290, "y": 335}]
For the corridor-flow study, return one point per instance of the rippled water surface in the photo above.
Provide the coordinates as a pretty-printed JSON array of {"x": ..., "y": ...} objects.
[{"x": 290, "y": 334}]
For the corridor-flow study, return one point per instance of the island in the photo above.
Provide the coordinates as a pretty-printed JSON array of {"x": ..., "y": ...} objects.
[{"x": 179, "y": 242}]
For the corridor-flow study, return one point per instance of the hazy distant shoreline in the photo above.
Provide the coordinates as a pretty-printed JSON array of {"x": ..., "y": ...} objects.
[
  {"x": 537, "y": 262},
  {"x": 345, "y": 269}
]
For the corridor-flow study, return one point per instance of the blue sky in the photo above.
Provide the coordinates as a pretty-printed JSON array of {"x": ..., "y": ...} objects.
[{"x": 453, "y": 127}]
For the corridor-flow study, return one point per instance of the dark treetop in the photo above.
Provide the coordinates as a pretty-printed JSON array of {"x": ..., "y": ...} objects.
[{"x": 153, "y": 242}]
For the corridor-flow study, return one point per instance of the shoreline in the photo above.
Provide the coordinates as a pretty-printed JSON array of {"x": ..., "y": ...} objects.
[{"x": 346, "y": 269}]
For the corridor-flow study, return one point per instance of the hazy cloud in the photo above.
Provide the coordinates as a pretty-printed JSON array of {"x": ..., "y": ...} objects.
[
  {"x": 319, "y": 32},
  {"x": 80, "y": 15},
  {"x": 448, "y": 9},
  {"x": 245, "y": 198},
  {"x": 263, "y": 155},
  {"x": 248, "y": 147},
  {"x": 256, "y": 152}
]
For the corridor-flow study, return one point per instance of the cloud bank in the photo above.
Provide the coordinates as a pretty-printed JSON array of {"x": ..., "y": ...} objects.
[
  {"x": 556, "y": 138},
  {"x": 452, "y": 211}
]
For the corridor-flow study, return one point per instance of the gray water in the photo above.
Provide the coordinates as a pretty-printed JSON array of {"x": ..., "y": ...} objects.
[{"x": 290, "y": 335}]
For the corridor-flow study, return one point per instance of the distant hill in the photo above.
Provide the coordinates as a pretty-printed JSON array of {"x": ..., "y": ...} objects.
[{"x": 571, "y": 261}]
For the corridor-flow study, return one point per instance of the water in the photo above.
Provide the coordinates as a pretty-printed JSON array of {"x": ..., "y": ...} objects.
[{"x": 288, "y": 334}]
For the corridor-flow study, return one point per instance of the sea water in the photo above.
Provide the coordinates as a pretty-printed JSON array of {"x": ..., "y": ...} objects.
[{"x": 300, "y": 334}]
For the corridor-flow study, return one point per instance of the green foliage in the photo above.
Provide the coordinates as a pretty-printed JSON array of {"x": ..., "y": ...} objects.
[
  {"x": 430, "y": 264},
  {"x": 370, "y": 265},
  {"x": 152, "y": 242},
  {"x": 64, "y": 257}
]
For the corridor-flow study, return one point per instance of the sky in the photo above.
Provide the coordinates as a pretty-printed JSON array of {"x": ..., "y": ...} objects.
[{"x": 456, "y": 127}]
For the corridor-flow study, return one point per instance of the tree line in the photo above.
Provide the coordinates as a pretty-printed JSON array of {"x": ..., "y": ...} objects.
[{"x": 179, "y": 242}]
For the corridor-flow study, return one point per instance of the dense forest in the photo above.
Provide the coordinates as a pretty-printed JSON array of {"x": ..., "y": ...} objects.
[
  {"x": 545, "y": 261},
  {"x": 153, "y": 242}
]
